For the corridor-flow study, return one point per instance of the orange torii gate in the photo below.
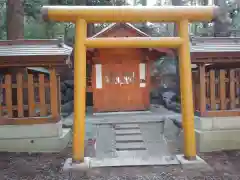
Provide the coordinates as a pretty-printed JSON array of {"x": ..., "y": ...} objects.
[{"x": 81, "y": 15}]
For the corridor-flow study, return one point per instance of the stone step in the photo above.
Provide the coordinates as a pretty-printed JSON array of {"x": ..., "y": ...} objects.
[
  {"x": 129, "y": 138},
  {"x": 127, "y": 131},
  {"x": 130, "y": 146},
  {"x": 136, "y": 154},
  {"x": 134, "y": 161},
  {"x": 127, "y": 126},
  {"x": 37, "y": 145}
]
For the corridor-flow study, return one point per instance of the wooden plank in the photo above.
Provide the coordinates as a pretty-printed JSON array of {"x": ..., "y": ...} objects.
[
  {"x": 28, "y": 120},
  {"x": 212, "y": 90},
  {"x": 232, "y": 89},
  {"x": 237, "y": 85},
  {"x": 1, "y": 98},
  {"x": 8, "y": 82},
  {"x": 238, "y": 88},
  {"x": 25, "y": 85},
  {"x": 42, "y": 97},
  {"x": 25, "y": 107},
  {"x": 53, "y": 93},
  {"x": 31, "y": 97},
  {"x": 20, "y": 95},
  {"x": 221, "y": 113},
  {"x": 207, "y": 81},
  {"x": 222, "y": 90},
  {"x": 27, "y": 64},
  {"x": 202, "y": 88},
  {"x": 59, "y": 93},
  {"x": 195, "y": 81}
]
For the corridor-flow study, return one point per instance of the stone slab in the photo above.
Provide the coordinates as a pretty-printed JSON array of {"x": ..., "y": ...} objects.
[
  {"x": 126, "y": 126},
  {"x": 127, "y": 131},
  {"x": 217, "y": 123},
  {"x": 133, "y": 161},
  {"x": 199, "y": 163},
  {"x": 136, "y": 154},
  {"x": 37, "y": 145},
  {"x": 105, "y": 141},
  {"x": 217, "y": 140},
  {"x": 129, "y": 138},
  {"x": 223, "y": 123},
  {"x": 121, "y": 113},
  {"x": 31, "y": 131},
  {"x": 130, "y": 146},
  {"x": 70, "y": 166},
  {"x": 130, "y": 118}
]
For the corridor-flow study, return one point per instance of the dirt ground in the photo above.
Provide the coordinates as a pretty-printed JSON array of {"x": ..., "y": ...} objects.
[{"x": 226, "y": 165}]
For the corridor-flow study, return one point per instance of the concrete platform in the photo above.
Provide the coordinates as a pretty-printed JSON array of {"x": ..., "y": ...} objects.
[
  {"x": 69, "y": 165},
  {"x": 133, "y": 161},
  {"x": 217, "y": 140},
  {"x": 117, "y": 162},
  {"x": 217, "y": 133},
  {"x": 30, "y": 131},
  {"x": 217, "y": 123},
  {"x": 37, "y": 145},
  {"x": 199, "y": 163}
]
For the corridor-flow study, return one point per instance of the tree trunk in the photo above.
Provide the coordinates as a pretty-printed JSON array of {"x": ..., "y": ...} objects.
[
  {"x": 15, "y": 19},
  {"x": 205, "y": 24},
  {"x": 90, "y": 26},
  {"x": 175, "y": 33},
  {"x": 176, "y": 3},
  {"x": 143, "y": 25},
  {"x": 221, "y": 28}
]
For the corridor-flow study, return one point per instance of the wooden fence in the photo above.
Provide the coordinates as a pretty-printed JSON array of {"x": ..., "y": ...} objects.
[
  {"x": 30, "y": 99},
  {"x": 217, "y": 92},
  {"x": 222, "y": 89}
]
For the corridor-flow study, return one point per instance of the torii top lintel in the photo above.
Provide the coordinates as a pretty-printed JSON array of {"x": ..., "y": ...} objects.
[{"x": 97, "y": 14}]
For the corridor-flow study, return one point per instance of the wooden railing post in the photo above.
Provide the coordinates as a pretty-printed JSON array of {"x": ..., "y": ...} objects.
[
  {"x": 42, "y": 95},
  {"x": 222, "y": 89},
  {"x": 8, "y": 82},
  {"x": 20, "y": 94},
  {"x": 202, "y": 88},
  {"x": 31, "y": 97},
  {"x": 59, "y": 93},
  {"x": 212, "y": 90},
  {"x": 53, "y": 93},
  {"x": 232, "y": 89}
]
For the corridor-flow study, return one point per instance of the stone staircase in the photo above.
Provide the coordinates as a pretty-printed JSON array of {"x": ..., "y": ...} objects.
[
  {"x": 131, "y": 144},
  {"x": 128, "y": 137}
]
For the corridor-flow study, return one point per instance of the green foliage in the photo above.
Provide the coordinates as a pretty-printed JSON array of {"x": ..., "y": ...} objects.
[
  {"x": 32, "y": 7},
  {"x": 3, "y": 22},
  {"x": 36, "y": 28}
]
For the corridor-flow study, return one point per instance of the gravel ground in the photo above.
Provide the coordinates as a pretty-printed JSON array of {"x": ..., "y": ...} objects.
[{"x": 226, "y": 165}]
